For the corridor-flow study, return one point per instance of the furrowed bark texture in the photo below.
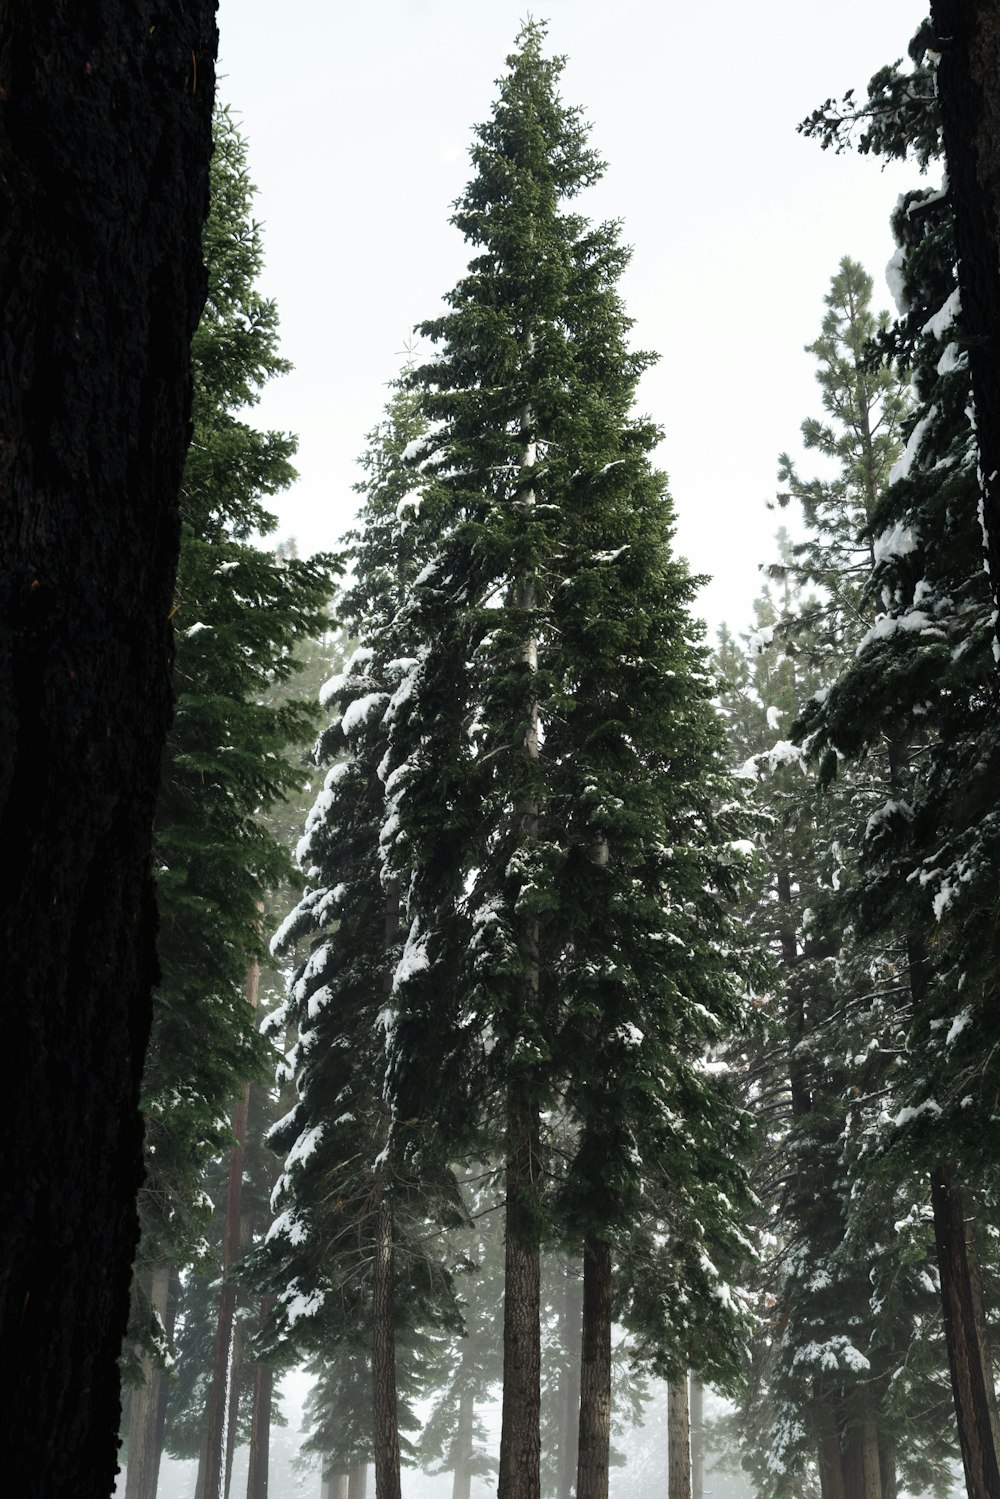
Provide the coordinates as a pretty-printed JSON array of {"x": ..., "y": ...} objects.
[
  {"x": 105, "y": 138},
  {"x": 968, "y": 35},
  {"x": 595, "y": 1373},
  {"x": 965, "y": 1332}
]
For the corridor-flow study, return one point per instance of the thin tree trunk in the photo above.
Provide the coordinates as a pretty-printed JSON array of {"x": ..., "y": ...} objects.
[
  {"x": 519, "y": 1429},
  {"x": 678, "y": 1440},
  {"x": 697, "y": 1438},
  {"x": 215, "y": 1424},
  {"x": 595, "y": 1373},
  {"x": 386, "y": 1432},
  {"x": 233, "y": 1392},
  {"x": 173, "y": 1296},
  {"x": 572, "y": 1337},
  {"x": 461, "y": 1452},
  {"x": 104, "y": 153},
  {"x": 260, "y": 1420},
  {"x": 144, "y": 1405},
  {"x": 357, "y": 1481},
  {"x": 965, "y": 1331},
  {"x": 520, "y": 1437}
]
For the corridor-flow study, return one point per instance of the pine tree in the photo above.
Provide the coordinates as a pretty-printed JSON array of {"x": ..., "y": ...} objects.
[
  {"x": 923, "y": 687},
  {"x": 105, "y": 144},
  {"x": 560, "y": 806},
  {"x": 351, "y": 1226},
  {"x": 240, "y": 614}
]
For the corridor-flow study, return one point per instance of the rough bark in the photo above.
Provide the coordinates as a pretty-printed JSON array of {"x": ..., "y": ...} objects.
[
  {"x": 965, "y": 1332},
  {"x": 572, "y": 1333},
  {"x": 697, "y": 1438},
  {"x": 222, "y": 1360},
  {"x": 595, "y": 1373},
  {"x": 519, "y": 1430},
  {"x": 144, "y": 1405},
  {"x": 260, "y": 1420},
  {"x": 384, "y": 1408},
  {"x": 968, "y": 37},
  {"x": 678, "y": 1440},
  {"x": 860, "y": 1462},
  {"x": 104, "y": 148},
  {"x": 887, "y": 1465},
  {"x": 828, "y": 1455}
]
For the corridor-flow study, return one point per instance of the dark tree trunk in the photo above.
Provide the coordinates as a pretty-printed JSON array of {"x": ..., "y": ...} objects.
[
  {"x": 965, "y": 1331},
  {"x": 828, "y": 1454},
  {"x": 144, "y": 1405},
  {"x": 887, "y": 1465},
  {"x": 385, "y": 1414},
  {"x": 595, "y": 1373},
  {"x": 260, "y": 1421},
  {"x": 572, "y": 1335},
  {"x": 519, "y": 1429},
  {"x": 105, "y": 139},
  {"x": 968, "y": 38},
  {"x": 678, "y": 1440},
  {"x": 697, "y": 1438}
]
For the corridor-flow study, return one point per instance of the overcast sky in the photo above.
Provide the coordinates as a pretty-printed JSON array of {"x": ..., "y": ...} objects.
[{"x": 359, "y": 121}]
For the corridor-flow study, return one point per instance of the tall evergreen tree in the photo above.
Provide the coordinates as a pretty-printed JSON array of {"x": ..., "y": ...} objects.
[
  {"x": 923, "y": 688},
  {"x": 105, "y": 114},
  {"x": 559, "y": 802}
]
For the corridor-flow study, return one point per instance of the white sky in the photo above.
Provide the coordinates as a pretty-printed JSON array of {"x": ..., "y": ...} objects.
[{"x": 359, "y": 119}]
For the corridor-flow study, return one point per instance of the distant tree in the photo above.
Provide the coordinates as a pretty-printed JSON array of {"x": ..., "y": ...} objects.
[
  {"x": 242, "y": 615},
  {"x": 104, "y": 152}
]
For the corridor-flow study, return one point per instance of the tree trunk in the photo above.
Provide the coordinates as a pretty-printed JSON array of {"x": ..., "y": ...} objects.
[
  {"x": 461, "y": 1452},
  {"x": 968, "y": 38},
  {"x": 572, "y": 1335},
  {"x": 965, "y": 1331},
  {"x": 357, "y": 1481},
  {"x": 519, "y": 1427},
  {"x": 104, "y": 152},
  {"x": 697, "y": 1438},
  {"x": 860, "y": 1462},
  {"x": 222, "y": 1359},
  {"x": 887, "y": 1465},
  {"x": 595, "y": 1373},
  {"x": 386, "y": 1431},
  {"x": 828, "y": 1454},
  {"x": 260, "y": 1420},
  {"x": 144, "y": 1430},
  {"x": 678, "y": 1440},
  {"x": 233, "y": 1392},
  {"x": 339, "y": 1486}
]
